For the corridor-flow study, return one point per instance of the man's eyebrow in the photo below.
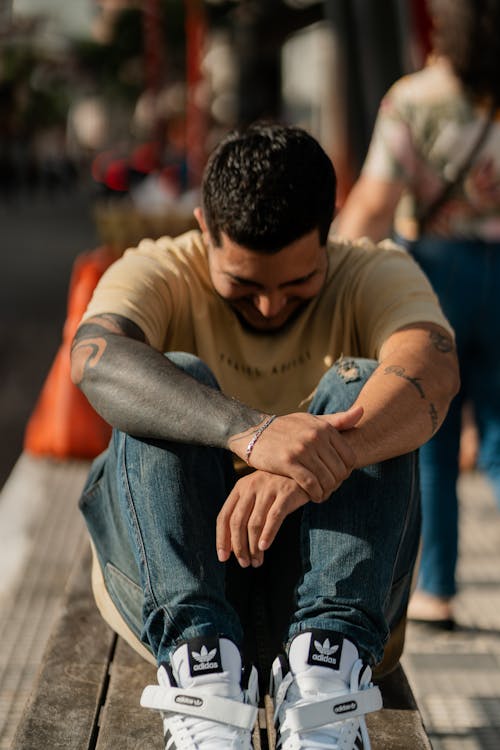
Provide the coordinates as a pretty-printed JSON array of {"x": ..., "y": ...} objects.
[{"x": 292, "y": 282}]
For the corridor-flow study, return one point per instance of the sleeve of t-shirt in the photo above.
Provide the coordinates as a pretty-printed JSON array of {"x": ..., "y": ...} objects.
[
  {"x": 393, "y": 292},
  {"x": 392, "y": 155},
  {"x": 141, "y": 287}
]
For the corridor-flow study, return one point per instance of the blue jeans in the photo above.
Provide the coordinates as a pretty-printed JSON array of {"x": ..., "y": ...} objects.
[
  {"x": 466, "y": 277},
  {"x": 346, "y": 564}
]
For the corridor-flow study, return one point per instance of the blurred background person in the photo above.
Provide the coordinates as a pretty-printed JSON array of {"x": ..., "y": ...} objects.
[{"x": 432, "y": 179}]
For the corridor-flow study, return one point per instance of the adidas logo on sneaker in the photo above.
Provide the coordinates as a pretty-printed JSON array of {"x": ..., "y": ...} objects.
[
  {"x": 342, "y": 708},
  {"x": 204, "y": 659},
  {"x": 204, "y": 656},
  {"x": 188, "y": 700},
  {"x": 325, "y": 652}
]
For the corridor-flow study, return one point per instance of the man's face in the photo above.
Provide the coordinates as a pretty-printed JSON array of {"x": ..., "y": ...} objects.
[{"x": 266, "y": 291}]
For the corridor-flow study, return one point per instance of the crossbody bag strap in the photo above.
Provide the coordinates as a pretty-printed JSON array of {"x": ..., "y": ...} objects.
[{"x": 429, "y": 211}]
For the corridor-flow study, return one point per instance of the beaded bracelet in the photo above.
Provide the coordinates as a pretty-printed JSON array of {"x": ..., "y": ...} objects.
[{"x": 257, "y": 435}]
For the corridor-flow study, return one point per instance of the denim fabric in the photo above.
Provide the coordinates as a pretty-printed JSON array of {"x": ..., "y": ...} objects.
[
  {"x": 151, "y": 508},
  {"x": 466, "y": 277}
]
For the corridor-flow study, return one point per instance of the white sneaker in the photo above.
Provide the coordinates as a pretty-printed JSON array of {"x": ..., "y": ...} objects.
[
  {"x": 206, "y": 700},
  {"x": 321, "y": 693}
]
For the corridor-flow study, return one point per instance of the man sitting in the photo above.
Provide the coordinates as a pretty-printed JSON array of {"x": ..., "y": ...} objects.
[{"x": 321, "y": 365}]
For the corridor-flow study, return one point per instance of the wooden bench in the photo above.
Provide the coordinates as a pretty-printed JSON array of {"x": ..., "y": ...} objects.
[{"x": 86, "y": 696}]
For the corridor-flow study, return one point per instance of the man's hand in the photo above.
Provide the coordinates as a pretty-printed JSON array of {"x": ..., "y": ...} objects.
[
  {"x": 253, "y": 513},
  {"x": 306, "y": 448}
]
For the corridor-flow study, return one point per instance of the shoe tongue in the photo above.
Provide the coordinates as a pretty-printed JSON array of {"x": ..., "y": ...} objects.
[
  {"x": 211, "y": 662},
  {"x": 315, "y": 651}
]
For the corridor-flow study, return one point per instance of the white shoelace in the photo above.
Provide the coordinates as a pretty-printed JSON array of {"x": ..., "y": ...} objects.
[
  {"x": 321, "y": 738},
  {"x": 209, "y": 735},
  {"x": 343, "y": 733}
]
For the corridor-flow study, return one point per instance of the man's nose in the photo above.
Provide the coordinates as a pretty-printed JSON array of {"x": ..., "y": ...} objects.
[{"x": 270, "y": 303}]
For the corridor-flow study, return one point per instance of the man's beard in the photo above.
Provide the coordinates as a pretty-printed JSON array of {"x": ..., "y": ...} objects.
[{"x": 270, "y": 331}]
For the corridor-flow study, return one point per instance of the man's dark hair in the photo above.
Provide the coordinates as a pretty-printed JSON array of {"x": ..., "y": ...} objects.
[
  {"x": 268, "y": 186},
  {"x": 467, "y": 32}
]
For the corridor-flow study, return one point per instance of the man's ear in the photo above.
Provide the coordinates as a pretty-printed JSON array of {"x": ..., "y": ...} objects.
[{"x": 198, "y": 215}]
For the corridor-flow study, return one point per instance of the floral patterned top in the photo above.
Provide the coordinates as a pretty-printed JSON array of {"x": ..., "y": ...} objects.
[{"x": 425, "y": 130}]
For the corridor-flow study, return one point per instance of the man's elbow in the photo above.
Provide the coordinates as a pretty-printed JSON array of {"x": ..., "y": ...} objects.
[
  {"x": 450, "y": 382},
  {"x": 77, "y": 365},
  {"x": 455, "y": 378}
]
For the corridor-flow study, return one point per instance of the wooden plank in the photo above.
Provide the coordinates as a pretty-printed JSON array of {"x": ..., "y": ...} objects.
[
  {"x": 398, "y": 726},
  {"x": 63, "y": 709},
  {"x": 271, "y": 733},
  {"x": 259, "y": 737},
  {"x": 88, "y": 691},
  {"x": 124, "y": 723}
]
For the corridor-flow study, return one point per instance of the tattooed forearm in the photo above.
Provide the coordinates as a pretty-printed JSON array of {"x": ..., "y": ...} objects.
[
  {"x": 100, "y": 325},
  {"x": 441, "y": 342},
  {"x": 87, "y": 353},
  {"x": 401, "y": 373},
  {"x": 92, "y": 339},
  {"x": 109, "y": 322},
  {"x": 138, "y": 390},
  {"x": 434, "y": 417}
]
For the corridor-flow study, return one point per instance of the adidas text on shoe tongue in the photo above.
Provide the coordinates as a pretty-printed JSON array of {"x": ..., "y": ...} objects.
[
  {"x": 208, "y": 661},
  {"x": 322, "y": 648}
]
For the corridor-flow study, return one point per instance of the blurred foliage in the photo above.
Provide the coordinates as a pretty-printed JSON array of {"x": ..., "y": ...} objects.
[
  {"x": 220, "y": 14},
  {"x": 34, "y": 89},
  {"x": 37, "y": 87},
  {"x": 118, "y": 67}
]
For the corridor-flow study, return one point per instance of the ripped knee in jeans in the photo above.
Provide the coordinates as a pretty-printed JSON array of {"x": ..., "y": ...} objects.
[{"x": 348, "y": 369}]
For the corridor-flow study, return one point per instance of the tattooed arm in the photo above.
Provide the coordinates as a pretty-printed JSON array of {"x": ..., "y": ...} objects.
[
  {"x": 408, "y": 395},
  {"x": 403, "y": 404},
  {"x": 138, "y": 390}
]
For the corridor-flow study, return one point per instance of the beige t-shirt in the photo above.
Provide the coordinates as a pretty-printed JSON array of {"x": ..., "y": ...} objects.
[{"x": 370, "y": 291}]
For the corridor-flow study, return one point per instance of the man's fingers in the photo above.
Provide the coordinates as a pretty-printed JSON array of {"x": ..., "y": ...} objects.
[
  {"x": 307, "y": 480},
  {"x": 233, "y": 529},
  {"x": 252, "y": 515},
  {"x": 275, "y": 518},
  {"x": 304, "y": 447},
  {"x": 256, "y": 523},
  {"x": 343, "y": 453},
  {"x": 327, "y": 469},
  {"x": 335, "y": 472},
  {"x": 238, "y": 524},
  {"x": 344, "y": 420},
  {"x": 277, "y": 514},
  {"x": 223, "y": 531}
]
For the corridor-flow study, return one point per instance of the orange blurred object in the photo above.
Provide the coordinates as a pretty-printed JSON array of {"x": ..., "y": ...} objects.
[{"x": 63, "y": 423}]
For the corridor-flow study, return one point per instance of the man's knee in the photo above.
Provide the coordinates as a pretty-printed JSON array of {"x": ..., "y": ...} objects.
[
  {"x": 194, "y": 366},
  {"x": 341, "y": 384}
]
